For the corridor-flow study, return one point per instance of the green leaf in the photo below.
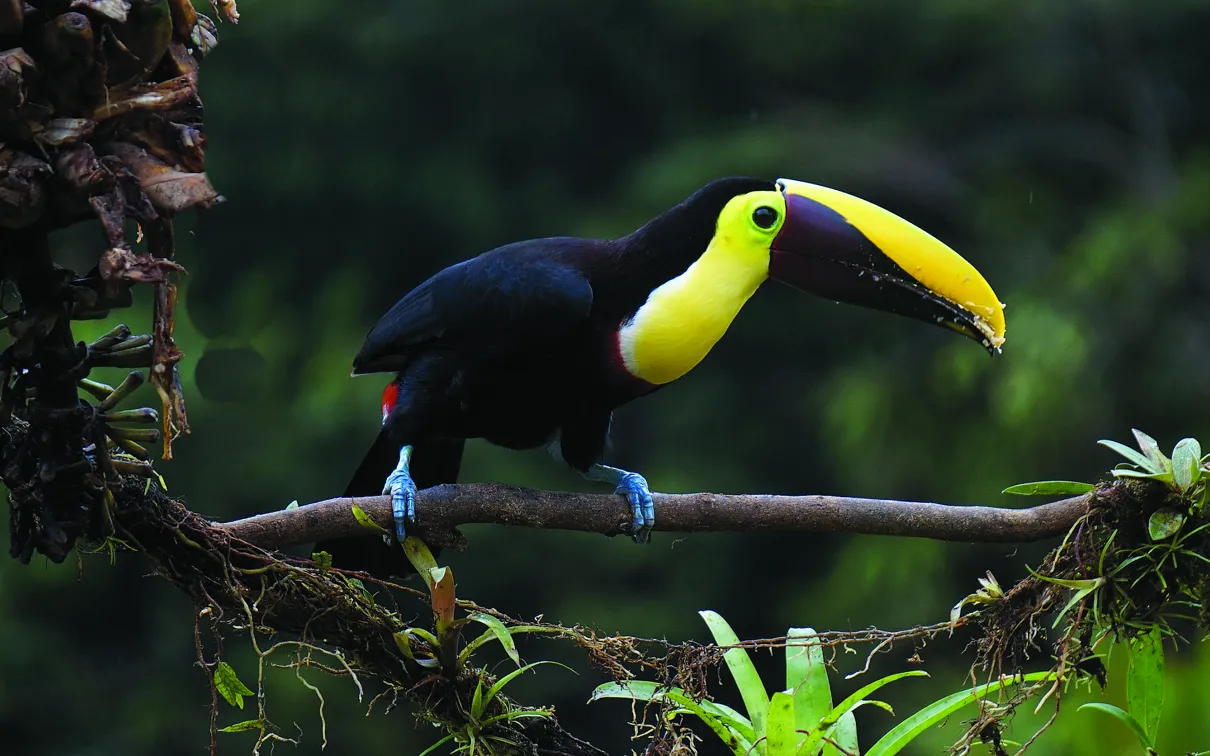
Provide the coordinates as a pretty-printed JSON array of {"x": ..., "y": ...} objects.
[
  {"x": 323, "y": 560},
  {"x": 751, "y": 689},
  {"x": 1145, "y": 681},
  {"x": 1186, "y": 463},
  {"x": 731, "y": 737},
  {"x": 781, "y": 738},
  {"x": 642, "y": 690},
  {"x": 1164, "y": 523},
  {"x": 734, "y": 721},
  {"x": 497, "y": 628},
  {"x": 844, "y": 735},
  {"x": 515, "y": 715},
  {"x": 728, "y": 724},
  {"x": 858, "y": 698},
  {"x": 871, "y": 702},
  {"x": 437, "y": 745},
  {"x": 1132, "y": 455},
  {"x": 421, "y": 633},
  {"x": 634, "y": 690},
  {"x": 419, "y": 555},
  {"x": 1050, "y": 488},
  {"x": 912, "y": 727},
  {"x": 1081, "y": 587},
  {"x": 1076, "y": 598},
  {"x": 360, "y": 587},
  {"x": 1105, "y": 550},
  {"x": 1087, "y": 584},
  {"x": 499, "y": 686},
  {"x": 246, "y": 726},
  {"x": 291, "y": 505},
  {"x": 1150, "y": 448},
  {"x": 807, "y": 678},
  {"x": 367, "y": 522},
  {"x": 513, "y": 632},
  {"x": 229, "y": 686},
  {"x": 477, "y": 703},
  {"x": 1125, "y": 719},
  {"x": 404, "y": 642},
  {"x": 1163, "y": 477}
]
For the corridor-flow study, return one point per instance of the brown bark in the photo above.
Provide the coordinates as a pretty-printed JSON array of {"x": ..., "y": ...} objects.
[{"x": 443, "y": 508}]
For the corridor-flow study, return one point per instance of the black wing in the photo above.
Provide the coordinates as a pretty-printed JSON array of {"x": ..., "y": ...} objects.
[{"x": 519, "y": 295}]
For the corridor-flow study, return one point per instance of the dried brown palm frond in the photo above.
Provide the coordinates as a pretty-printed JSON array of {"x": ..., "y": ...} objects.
[{"x": 100, "y": 122}]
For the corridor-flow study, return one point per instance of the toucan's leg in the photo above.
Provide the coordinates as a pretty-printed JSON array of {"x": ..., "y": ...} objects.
[
  {"x": 402, "y": 489},
  {"x": 634, "y": 487},
  {"x": 582, "y": 441}
]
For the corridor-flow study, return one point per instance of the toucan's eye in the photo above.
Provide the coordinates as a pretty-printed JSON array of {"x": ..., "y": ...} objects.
[{"x": 764, "y": 216}]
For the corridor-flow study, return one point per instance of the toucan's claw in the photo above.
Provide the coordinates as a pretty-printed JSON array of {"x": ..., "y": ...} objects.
[
  {"x": 634, "y": 487},
  {"x": 402, "y": 489}
]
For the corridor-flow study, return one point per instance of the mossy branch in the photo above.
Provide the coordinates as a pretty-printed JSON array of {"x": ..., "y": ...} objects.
[{"x": 240, "y": 585}]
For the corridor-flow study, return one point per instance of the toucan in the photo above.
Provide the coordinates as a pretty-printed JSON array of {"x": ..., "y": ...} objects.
[{"x": 536, "y": 343}]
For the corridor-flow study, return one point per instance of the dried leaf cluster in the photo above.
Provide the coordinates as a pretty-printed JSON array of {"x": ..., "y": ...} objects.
[{"x": 100, "y": 122}]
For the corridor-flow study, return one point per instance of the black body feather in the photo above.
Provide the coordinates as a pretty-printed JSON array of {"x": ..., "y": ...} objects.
[{"x": 518, "y": 345}]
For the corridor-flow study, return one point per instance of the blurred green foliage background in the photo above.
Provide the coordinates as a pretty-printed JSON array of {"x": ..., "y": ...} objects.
[{"x": 1061, "y": 147}]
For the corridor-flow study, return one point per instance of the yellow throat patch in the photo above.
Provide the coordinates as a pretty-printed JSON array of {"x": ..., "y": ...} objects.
[{"x": 684, "y": 318}]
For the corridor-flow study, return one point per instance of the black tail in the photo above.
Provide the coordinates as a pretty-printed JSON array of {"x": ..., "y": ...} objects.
[{"x": 433, "y": 463}]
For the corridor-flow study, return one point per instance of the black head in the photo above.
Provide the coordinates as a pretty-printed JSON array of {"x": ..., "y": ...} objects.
[{"x": 690, "y": 224}]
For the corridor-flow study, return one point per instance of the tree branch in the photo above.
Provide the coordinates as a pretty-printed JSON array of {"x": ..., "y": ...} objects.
[{"x": 442, "y": 508}]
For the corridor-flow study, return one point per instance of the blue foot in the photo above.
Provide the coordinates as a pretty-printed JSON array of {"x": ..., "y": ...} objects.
[
  {"x": 634, "y": 487},
  {"x": 402, "y": 489}
]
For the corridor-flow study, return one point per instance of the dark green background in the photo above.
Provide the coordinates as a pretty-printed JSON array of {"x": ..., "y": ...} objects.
[{"x": 1061, "y": 147}]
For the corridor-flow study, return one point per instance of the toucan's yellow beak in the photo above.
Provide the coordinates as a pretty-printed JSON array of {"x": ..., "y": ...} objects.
[{"x": 841, "y": 247}]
